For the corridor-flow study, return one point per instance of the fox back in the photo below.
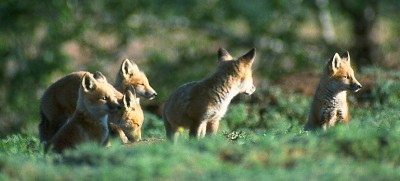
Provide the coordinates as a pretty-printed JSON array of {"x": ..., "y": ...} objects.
[
  {"x": 59, "y": 100},
  {"x": 198, "y": 106},
  {"x": 96, "y": 99},
  {"x": 329, "y": 104}
]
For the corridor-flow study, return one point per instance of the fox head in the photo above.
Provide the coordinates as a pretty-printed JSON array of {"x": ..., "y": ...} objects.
[
  {"x": 241, "y": 68},
  {"x": 130, "y": 118},
  {"x": 130, "y": 75},
  {"x": 341, "y": 74},
  {"x": 97, "y": 96}
]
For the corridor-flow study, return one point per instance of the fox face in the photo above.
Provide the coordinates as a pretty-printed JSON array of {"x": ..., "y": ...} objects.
[
  {"x": 242, "y": 67},
  {"x": 99, "y": 97},
  {"x": 130, "y": 75},
  {"x": 341, "y": 74},
  {"x": 130, "y": 118},
  {"x": 246, "y": 85}
]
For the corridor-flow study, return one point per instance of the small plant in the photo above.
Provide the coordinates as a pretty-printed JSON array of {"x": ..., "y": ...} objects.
[{"x": 235, "y": 135}]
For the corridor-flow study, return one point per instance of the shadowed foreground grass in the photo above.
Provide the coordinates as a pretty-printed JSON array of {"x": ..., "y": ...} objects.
[{"x": 365, "y": 150}]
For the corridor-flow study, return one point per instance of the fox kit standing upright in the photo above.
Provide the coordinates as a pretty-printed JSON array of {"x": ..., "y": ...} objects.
[
  {"x": 59, "y": 100},
  {"x": 329, "y": 105},
  {"x": 88, "y": 123},
  {"x": 199, "y": 106}
]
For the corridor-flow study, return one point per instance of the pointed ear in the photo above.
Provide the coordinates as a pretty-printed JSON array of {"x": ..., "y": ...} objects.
[
  {"x": 346, "y": 57},
  {"x": 88, "y": 83},
  {"x": 127, "y": 68},
  {"x": 129, "y": 96},
  {"x": 249, "y": 57},
  {"x": 223, "y": 55},
  {"x": 128, "y": 99},
  {"x": 99, "y": 77},
  {"x": 334, "y": 63}
]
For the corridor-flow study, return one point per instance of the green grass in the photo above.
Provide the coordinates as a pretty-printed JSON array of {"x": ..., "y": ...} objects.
[
  {"x": 359, "y": 152},
  {"x": 255, "y": 142}
]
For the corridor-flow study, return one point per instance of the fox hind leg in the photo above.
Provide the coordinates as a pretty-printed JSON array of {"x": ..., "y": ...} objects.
[
  {"x": 212, "y": 127},
  {"x": 48, "y": 128},
  {"x": 169, "y": 130}
]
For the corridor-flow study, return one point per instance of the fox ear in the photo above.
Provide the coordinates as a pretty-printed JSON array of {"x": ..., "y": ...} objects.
[
  {"x": 128, "y": 68},
  {"x": 249, "y": 57},
  {"x": 99, "y": 76},
  {"x": 223, "y": 55},
  {"x": 346, "y": 57},
  {"x": 129, "y": 96},
  {"x": 127, "y": 99},
  {"x": 334, "y": 63},
  {"x": 88, "y": 83}
]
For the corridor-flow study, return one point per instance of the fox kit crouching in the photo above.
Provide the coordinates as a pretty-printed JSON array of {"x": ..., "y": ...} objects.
[
  {"x": 199, "y": 106},
  {"x": 96, "y": 99},
  {"x": 59, "y": 100},
  {"x": 329, "y": 105},
  {"x": 131, "y": 110}
]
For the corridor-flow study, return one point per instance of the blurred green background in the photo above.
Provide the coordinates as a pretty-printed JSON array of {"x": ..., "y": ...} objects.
[{"x": 176, "y": 41}]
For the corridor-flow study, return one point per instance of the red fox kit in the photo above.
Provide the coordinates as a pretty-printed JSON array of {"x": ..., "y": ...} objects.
[
  {"x": 131, "y": 111},
  {"x": 199, "y": 106},
  {"x": 329, "y": 105},
  {"x": 96, "y": 99},
  {"x": 59, "y": 100}
]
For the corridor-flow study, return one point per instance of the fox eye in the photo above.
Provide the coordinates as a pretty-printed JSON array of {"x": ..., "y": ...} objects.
[{"x": 104, "y": 98}]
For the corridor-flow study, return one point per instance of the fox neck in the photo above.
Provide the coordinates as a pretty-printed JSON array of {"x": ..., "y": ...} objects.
[
  {"x": 94, "y": 126},
  {"x": 81, "y": 108},
  {"x": 91, "y": 130},
  {"x": 222, "y": 88},
  {"x": 330, "y": 95}
]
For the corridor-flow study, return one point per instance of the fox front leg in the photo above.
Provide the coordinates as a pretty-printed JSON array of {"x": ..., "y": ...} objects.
[
  {"x": 198, "y": 130},
  {"x": 328, "y": 118}
]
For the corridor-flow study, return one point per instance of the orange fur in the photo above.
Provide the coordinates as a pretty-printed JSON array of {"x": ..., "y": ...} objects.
[
  {"x": 329, "y": 104},
  {"x": 131, "y": 110},
  {"x": 59, "y": 100},
  {"x": 88, "y": 123},
  {"x": 199, "y": 106}
]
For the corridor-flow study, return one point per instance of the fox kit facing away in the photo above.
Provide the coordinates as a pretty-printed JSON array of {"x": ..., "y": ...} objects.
[
  {"x": 59, "y": 100},
  {"x": 96, "y": 99},
  {"x": 199, "y": 106},
  {"x": 131, "y": 110},
  {"x": 329, "y": 105}
]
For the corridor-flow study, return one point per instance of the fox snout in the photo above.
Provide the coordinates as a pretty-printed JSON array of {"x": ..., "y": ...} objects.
[
  {"x": 134, "y": 135},
  {"x": 148, "y": 94},
  {"x": 251, "y": 90},
  {"x": 355, "y": 86},
  {"x": 151, "y": 96}
]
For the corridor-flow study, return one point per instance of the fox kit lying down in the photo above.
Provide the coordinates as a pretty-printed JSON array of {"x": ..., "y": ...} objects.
[
  {"x": 59, "y": 100},
  {"x": 96, "y": 99},
  {"x": 199, "y": 106},
  {"x": 329, "y": 105}
]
